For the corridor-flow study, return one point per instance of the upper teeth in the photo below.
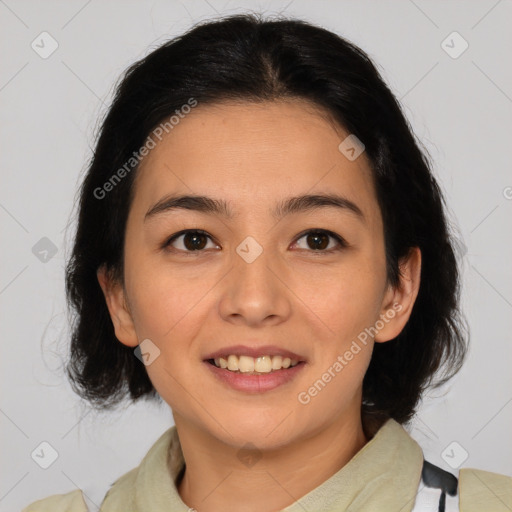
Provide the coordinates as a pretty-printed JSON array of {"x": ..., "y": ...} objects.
[{"x": 262, "y": 364}]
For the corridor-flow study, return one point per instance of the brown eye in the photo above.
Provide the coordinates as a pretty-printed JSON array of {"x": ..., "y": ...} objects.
[
  {"x": 194, "y": 242},
  {"x": 317, "y": 240},
  {"x": 190, "y": 241},
  {"x": 320, "y": 240}
]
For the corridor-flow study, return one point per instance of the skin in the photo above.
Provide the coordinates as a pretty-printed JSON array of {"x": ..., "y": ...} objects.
[{"x": 311, "y": 302}]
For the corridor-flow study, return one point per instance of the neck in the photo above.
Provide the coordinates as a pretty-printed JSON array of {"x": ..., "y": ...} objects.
[{"x": 216, "y": 479}]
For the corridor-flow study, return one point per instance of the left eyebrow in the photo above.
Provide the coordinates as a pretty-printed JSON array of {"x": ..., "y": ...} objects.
[
  {"x": 297, "y": 204},
  {"x": 314, "y": 201}
]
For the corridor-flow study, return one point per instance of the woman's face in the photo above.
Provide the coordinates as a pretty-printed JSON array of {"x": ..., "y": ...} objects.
[{"x": 253, "y": 282}]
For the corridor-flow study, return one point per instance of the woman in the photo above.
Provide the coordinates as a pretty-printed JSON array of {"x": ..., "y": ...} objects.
[{"x": 261, "y": 243}]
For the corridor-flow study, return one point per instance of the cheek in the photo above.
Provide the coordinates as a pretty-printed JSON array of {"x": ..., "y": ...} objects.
[
  {"x": 346, "y": 299},
  {"x": 348, "y": 302},
  {"x": 163, "y": 296},
  {"x": 169, "y": 311}
]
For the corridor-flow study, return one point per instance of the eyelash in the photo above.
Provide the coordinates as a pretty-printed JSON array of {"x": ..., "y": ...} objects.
[{"x": 342, "y": 244}]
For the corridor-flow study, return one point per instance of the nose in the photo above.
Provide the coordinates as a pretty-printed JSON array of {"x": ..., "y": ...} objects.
[{"x": 254, "y": 294}]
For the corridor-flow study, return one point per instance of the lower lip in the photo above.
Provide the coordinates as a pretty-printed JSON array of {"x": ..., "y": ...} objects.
[{"x": 255, "y": 383}]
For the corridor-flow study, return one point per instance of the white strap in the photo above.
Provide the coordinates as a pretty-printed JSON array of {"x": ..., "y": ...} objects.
[{"x": 427, "y": 500}]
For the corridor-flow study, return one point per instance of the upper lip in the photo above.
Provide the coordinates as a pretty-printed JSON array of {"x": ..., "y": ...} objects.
[{"x": 264, "y": 350}]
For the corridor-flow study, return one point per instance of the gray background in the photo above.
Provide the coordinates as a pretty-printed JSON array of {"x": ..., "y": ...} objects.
[{"x": 459, "y": 107}]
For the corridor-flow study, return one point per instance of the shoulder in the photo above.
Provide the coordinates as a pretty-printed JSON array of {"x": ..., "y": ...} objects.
[
  {"x": 122, "y": 494},
  {"x": 473, "y": 490},
  {"x": 483, "y": 490},
  {"x": 69, "y": 502}
]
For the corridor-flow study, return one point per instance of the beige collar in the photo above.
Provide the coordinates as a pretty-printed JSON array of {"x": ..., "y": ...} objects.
[{"x": 383, "y": 475}]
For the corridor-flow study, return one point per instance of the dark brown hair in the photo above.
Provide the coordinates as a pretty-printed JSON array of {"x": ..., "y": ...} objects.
[{"x": 251, "y": 59}]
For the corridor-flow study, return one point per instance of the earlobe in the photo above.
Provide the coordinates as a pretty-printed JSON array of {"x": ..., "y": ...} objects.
[
  {"x": 399, "y": 301},
  {"x": 120, "y": 315}
]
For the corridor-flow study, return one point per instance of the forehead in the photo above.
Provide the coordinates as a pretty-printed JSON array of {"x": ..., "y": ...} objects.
[{"x": 253, "y": 153}]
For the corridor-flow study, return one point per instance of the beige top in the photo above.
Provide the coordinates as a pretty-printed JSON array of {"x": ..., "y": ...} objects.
[{"x": 383, "y": 476}]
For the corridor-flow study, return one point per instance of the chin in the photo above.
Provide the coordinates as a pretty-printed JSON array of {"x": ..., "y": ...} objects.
[{"x": 265, "y": 432}]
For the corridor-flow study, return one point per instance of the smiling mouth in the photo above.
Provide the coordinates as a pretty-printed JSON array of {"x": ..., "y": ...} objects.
[{"x": 254, "y": 365}]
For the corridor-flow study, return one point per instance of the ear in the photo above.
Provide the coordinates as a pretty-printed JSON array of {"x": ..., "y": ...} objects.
[
  {"x": 399, "y": 301},
  {"x": 117, "y": 306}
]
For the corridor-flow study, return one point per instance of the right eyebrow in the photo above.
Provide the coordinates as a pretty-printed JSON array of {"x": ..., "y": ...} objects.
[{"x": 202, "y": 204}]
